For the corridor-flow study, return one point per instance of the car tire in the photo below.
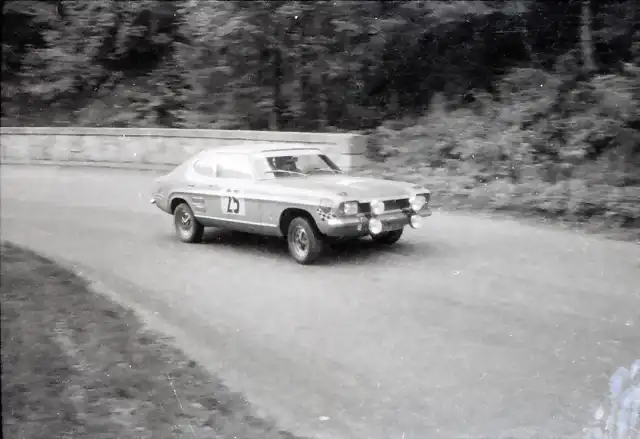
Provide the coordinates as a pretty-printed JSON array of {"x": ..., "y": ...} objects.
[
  {"x": 187, "y": 226},
  {"x": 387, "y": 238},
  {"x": 304, "y": 241}
]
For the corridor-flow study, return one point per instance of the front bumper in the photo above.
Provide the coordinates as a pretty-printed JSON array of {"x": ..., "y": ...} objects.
[{"x": 359, "y": 225}]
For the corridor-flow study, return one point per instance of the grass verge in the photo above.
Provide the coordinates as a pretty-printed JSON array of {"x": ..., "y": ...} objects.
[
  {"x": 76, "y": 365},
  {"x": 606, "y": 210}
]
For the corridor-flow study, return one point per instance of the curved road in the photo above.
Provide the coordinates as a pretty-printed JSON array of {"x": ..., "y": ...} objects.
[{"x": 468, "y": 327}]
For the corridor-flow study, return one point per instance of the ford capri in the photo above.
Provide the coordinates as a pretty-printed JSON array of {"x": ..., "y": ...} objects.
[{"x": 294, "y": 192}]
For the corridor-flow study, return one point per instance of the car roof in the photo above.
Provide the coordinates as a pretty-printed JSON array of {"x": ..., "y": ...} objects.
[{"x": 253, "y": 148}]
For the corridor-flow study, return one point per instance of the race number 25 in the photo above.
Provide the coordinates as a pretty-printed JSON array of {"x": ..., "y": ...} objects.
[{"x": 232, "y": 206}]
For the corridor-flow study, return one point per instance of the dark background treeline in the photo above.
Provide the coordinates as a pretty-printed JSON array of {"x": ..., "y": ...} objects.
[{"x": 493, "y": 93}]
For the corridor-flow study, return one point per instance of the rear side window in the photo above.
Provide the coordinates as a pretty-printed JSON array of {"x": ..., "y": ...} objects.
[
  {"x": 204, "y": 168},
  {"x": 233, "y": 166}
]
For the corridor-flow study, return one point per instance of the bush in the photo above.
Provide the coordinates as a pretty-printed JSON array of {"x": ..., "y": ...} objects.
[{"x": 552, "y": 145}]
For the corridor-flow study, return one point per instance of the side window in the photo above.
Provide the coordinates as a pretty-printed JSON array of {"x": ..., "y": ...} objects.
[
  {"x": 307, "y": 162},
  {"x": 233, "y": 166},
  {"x": 204, "y": 168}
]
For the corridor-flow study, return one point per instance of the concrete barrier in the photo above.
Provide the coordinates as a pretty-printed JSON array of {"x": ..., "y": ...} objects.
[{"x": 134, "y": 147}]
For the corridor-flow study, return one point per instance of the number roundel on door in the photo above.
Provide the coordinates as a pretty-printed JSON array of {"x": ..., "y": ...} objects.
[{"x": 233, "y": 206}]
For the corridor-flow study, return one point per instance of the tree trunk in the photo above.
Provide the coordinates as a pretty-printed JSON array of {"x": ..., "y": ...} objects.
[
  {"x": 586, "y": 38},
  {"x": 523, "y": 28},
  {"x": 276, "y": 119},
  {"x": 323, "y": 105}
]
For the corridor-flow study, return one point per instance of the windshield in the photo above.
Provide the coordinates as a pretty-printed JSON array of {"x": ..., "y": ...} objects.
[{"x": 288, "y": 164}]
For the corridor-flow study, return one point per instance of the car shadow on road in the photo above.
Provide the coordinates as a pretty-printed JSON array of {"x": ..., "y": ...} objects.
[
  {"x": 246, "y": 242},
  {"x": 354, "y": 252}
]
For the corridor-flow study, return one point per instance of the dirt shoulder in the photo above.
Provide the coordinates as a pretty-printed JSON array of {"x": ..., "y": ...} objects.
[{"x": 75, "y": 364}]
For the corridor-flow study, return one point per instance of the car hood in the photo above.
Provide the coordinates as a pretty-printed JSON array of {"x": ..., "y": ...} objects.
[{"x": 347, "y": 186}]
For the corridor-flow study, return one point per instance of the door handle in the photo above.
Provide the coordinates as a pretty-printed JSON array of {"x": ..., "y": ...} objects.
[{"x": 191, "y": 185}]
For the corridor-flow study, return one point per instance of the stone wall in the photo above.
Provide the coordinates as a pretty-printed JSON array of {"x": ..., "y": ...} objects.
[{"x": 152, "y": 147}]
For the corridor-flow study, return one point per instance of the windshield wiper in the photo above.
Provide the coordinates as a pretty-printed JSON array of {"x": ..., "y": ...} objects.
[
  {"x": 282, "y": 170},
  {"x": 334, "y": 171}
]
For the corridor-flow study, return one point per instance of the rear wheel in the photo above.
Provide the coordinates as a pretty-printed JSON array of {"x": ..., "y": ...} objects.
[
  {"x": 187, "y": 226},
  {"x": 304, "y": 241},
  {"x": 388, "y": 238}
]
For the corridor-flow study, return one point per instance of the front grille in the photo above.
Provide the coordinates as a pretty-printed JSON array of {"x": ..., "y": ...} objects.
[
  {"x": 364, "y": 208},
  {"x": 389, "y": 205},
  {"x": 400, "y": 204}
]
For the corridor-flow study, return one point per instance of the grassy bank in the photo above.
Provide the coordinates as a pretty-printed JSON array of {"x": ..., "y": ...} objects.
[
  {"x": 604, "y": 209},
  {"x": 74, "y": 364},
  {"x": 549, "y": 148}
]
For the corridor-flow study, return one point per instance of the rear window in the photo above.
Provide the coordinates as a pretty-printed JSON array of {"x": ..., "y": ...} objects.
[{"x": 204, "y": 168}]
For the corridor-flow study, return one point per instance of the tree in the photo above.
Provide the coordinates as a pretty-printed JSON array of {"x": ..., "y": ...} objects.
[{"x": 586, "y": 38}]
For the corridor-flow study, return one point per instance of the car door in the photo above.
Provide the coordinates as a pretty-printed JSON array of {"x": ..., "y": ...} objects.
[
  {"x": 203, "y": 189},
  {"x": 238, "y": 206}
]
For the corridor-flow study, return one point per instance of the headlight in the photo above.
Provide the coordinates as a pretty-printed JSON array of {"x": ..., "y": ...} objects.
[
  {"x": 417, "y": 202},
  {"x": 350, "y": 208},
  {"x": 377, "y": 207},
  {"x": 375, "y": 226},
  {"x": 416, "y": 221}
]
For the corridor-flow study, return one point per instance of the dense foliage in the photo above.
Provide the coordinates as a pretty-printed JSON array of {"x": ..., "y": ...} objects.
[{"x": 500, "y": 93}]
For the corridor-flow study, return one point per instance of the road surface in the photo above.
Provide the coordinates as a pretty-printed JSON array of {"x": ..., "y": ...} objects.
[{"x": 469, "y": 327}]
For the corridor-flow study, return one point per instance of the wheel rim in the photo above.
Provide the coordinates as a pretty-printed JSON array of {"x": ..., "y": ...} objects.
[
  {"x": 184, "y": 222},
  {"x": 300, "y": 241}
]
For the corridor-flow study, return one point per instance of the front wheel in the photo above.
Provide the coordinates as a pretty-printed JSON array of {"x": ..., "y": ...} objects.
[
  {"x": 187, "y": 226},
  {"x": 387, "y": 238},
  {"x": 304, "y": 241}
]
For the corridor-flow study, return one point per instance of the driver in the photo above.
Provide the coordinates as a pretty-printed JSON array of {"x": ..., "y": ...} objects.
[{"x": 285, "y": 163}]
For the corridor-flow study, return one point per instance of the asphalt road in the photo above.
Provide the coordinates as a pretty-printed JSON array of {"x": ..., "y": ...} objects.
[{"x": 468, "y": 327}]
